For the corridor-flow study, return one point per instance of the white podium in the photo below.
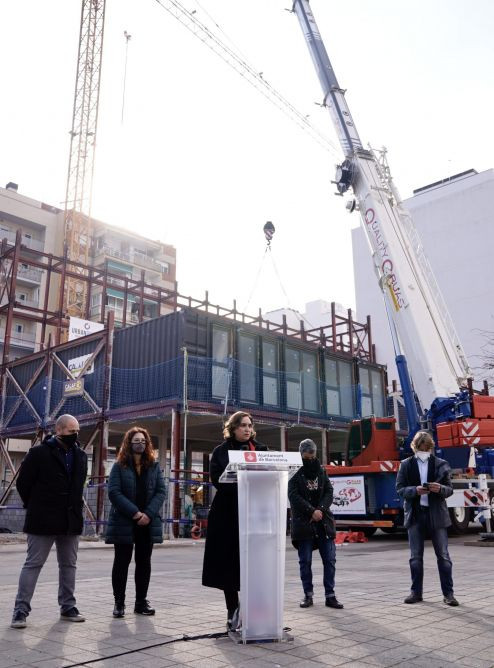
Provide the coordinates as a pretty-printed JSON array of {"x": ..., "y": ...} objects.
[{"x": 262, "y": 478}]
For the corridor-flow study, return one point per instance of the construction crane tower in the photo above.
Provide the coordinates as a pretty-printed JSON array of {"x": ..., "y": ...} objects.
[{"x": 77, "y": 221}]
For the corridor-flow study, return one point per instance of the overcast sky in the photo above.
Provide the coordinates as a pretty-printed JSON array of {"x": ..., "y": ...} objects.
[{"x": 202, "y": 160}]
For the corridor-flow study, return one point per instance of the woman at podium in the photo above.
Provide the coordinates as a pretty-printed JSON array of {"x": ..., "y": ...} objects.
[{"x": 221, "y": 568}]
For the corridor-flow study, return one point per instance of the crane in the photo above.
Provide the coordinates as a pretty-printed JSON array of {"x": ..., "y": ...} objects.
[
  {"x": 421, "y": 327},
  {"x": 420, "y": 323},
  {"x": 77, "y": 215}
]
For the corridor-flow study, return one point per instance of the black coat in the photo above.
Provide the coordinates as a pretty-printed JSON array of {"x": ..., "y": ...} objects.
[
  {"x": 122, "y": 491},
  {"x": 221, "y": 568},
  {"x": 407, "y": 481},
  {"x": 302, "y": 526},
  {"x": 52, "y": 498}
]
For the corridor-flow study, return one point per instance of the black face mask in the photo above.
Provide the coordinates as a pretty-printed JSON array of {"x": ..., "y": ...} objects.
[
  {"x": 68, "y": 439},
  {"x": 311, "y": 467}
]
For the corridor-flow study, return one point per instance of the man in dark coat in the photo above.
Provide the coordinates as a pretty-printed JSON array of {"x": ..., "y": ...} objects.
[
  {"x": 221, "y": 568},
  {"x": 50, "y": 484},
  {"x": 311, "y": 495},
  {"x": 424, "y": 483}
]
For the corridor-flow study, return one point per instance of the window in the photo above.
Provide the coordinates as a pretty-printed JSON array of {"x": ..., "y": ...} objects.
[
  {"x": 301, "y": 380},
  {"x": 165, "y": 267},
  {"x": 27, "y": 236},
  {"x": 114, "y": 302},
  {"x": 339, "y": 388},
  {"x": 96, "y": 300},
  {"x": 220, "y": 379},
  {"x": 372, "y": 388},
  {"x": 293, "y": 398},
  {"x": 19, "y": 328},
  {"x": 270, "y": 373},
  {"x": 22, "y": 296},
  {"x": 150, "y": 310},
  {"x": 247, "y": 367}
]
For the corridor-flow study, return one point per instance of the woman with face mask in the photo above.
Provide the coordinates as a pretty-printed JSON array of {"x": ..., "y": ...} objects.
[
  {"x": 136, "y": 490},
  {"x": 424, "y": 483}
]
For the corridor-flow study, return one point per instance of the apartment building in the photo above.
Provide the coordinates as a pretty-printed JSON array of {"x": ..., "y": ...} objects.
[
  {"x": 132, "y": 257},
  {"x": 124, "y": 253}
]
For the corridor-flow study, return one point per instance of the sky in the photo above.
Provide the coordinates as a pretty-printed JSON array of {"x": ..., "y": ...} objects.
[{"x": 201, "y": 160}]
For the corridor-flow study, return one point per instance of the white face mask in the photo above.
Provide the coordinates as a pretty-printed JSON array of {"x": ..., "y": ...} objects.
[{"x": 423, "y": 456}]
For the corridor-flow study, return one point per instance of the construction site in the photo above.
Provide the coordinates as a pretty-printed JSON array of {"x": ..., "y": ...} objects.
[{"x": 94, "y": 325}]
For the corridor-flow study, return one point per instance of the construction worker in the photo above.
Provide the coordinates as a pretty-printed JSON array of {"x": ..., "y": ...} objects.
[
  {"x": 424, "y": 483},
  {"x": 311, "y": 494}
]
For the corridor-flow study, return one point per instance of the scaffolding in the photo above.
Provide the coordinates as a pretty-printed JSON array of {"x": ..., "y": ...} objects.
[{"x": 34, "y": 388}]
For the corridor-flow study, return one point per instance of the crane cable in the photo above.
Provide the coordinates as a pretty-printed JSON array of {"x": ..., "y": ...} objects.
[{"x": 237, "y": 63}]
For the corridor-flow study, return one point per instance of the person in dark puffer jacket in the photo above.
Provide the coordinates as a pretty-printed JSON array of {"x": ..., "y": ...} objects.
[
  {"x": 136, "y": 489},
  {"x": 311, "y": 494}
]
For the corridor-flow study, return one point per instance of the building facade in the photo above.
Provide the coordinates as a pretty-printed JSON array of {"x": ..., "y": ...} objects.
[{"x": 41, "y": 226}]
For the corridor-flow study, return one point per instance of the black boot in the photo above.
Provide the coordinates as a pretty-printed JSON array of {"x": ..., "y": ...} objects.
[
  {"x": 307, "y": 601},
  {"x": 332, "y": 602},
  {"x": 119, "y": 609},
  {"x": 233, "y": 619},
  {"x": 143, "y": 608}
]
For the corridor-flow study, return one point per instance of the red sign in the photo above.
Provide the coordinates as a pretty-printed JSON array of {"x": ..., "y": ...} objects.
[{"x": 250, "y": 457}]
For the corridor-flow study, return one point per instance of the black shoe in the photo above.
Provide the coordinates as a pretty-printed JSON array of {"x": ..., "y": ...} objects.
[
  {"x": 119, "y": 609},
  {"x": 450, "y": 600},
  {"x": 413, "y": 598},
  {"x": 18, "y": 620},
  {"x": 307, "y": 601},
  {"x": 143, "y": 608},
  {"x": 331, "y": 602},
  {"x": 72, "y": 615}
]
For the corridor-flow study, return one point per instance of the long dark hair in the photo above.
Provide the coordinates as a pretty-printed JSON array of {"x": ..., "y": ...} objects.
[{"x": 124, "y": 457}]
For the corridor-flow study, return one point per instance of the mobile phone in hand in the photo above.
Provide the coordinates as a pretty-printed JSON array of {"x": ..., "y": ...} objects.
[{"x": 425, "y": 485}]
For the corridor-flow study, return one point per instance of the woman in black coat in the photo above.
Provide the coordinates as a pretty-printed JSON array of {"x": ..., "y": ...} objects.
[
  {"x": 136, "y": 489},
  {"x": 221, "y": 567}
]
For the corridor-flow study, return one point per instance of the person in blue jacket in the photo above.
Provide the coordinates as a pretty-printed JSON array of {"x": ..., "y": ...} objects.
[{"x": 136, "y": 490}]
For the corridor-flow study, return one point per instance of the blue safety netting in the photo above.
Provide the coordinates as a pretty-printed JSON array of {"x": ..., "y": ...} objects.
[{"x": 227, "y": 383}]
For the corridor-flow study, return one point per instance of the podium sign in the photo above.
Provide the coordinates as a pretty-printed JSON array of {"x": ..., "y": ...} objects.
[{"x": 262, "y": 478}]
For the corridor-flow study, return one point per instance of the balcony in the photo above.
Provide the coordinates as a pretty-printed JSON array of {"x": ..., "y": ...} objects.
[
  {"x": 29, "y": 275},
  {"x": 22, "y": 339},
  {"x": 147, "y": 262},
  {"x": 140, "y": 259},
  {"x": 26, "y": 303},
  {"x": 112, "y": 252},
  {"x": 34, "y": 244}
]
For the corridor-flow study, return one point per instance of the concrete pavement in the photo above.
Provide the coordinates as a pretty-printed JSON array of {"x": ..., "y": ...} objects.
[{"x": 374, "y": 629}]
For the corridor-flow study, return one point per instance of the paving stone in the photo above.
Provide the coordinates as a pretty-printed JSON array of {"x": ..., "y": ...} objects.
[{"x": 374, "y": 629}]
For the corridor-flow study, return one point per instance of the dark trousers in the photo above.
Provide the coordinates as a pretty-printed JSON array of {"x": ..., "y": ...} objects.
[
  {"x": 123, "y": 555},
  {"x": 417, "y": 533},
  {"x": 231, "y": 600},
  {"x": 327, "y": 550}
]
